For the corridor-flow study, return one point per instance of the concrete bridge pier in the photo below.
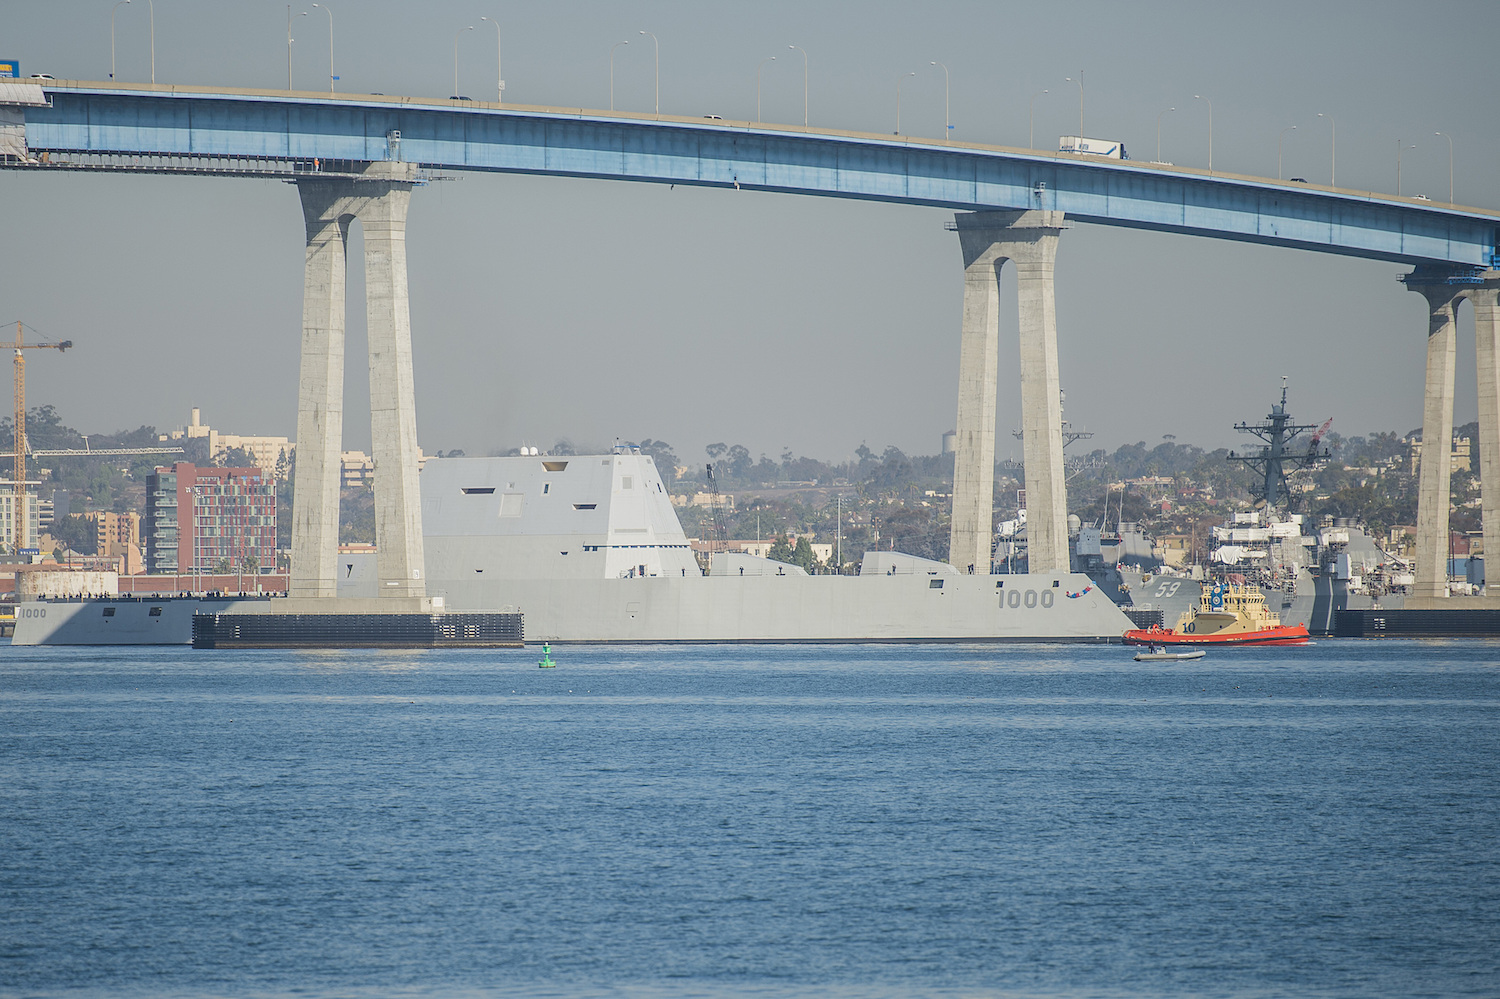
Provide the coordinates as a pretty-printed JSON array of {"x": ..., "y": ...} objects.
[
  {"x": 1029, "y": 239},
  {"x": 1434, "y": 498},
  {"x": 1486, "y": 302},
  {"x": 393, "y": 400},
  {"x": 320, "y": 394},
  {"x": 1437, "y": 430},
  {"x": 379, "y": 200}
]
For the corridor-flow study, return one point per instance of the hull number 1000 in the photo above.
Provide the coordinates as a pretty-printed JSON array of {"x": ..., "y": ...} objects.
[{"x": 1026, "y": 598}]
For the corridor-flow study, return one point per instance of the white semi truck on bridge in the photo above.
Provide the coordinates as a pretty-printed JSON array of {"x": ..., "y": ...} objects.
[{"x": 1092, "y": 147}]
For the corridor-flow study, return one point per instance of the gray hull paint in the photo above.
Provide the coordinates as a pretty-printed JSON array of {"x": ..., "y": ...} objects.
[
  {"x": 1172, "y": 595},
  {"x": 84, "y": 622},
  {"x": 705, "y": 609},
  {"x": 805, "y": 609}
]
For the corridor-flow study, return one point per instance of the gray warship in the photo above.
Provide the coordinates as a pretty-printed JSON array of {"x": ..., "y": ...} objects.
[
  {"x": 1307, "y": 574},
  {"x": 589, "y": 549}
]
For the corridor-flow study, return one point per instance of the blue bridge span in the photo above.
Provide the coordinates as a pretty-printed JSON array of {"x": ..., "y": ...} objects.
[{"x": 170, "y": 128}]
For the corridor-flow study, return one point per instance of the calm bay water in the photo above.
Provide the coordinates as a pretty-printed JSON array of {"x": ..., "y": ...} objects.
[{"x": 757, "y": 821}]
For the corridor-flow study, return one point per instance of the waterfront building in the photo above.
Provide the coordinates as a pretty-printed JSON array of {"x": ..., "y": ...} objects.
[{"x": 197, "y": 519}]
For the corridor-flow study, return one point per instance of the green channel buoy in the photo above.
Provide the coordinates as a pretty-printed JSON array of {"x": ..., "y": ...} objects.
[{"x": 546, "y": 661}]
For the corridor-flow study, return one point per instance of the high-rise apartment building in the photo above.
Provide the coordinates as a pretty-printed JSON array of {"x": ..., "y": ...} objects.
[
  {"x": 8, "y": 516},
  {"x": 199, "y": 518}
]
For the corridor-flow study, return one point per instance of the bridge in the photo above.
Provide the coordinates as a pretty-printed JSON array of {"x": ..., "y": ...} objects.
[{"x": 360, "y": 156}]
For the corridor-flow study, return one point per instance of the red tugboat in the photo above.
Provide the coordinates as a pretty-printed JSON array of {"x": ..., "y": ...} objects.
[{"x": 1226, "y": 614}]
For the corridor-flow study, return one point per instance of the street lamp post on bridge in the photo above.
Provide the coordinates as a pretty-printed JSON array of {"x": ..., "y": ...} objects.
[
  {"x": 947, "y": 122},
  {"x": 112, "y": 37},
  {"x": 1401, "y": 148},
  {"x": 899, "y": 81},
  {"x": 757, "y": 85},
  {"x": 1031, "y": 110},
  {"x": 656, "y": 73},
  {"x": 1450, "y": 163},
  {"x": 612, "y": 72},
  {"x": 1078, "y": 81},
  {"x": 1289, "y": 128},
  {"x": 456, "y": 37},
  {"x": 1200, "y": 97},
  {"x": 151, "y": 8},
  {"x": 325, "y": 8},
  {"x": 1333, "y": 150},
  {"x": 804, "y": 81},
  {"x": 1158, "y": 133},
  {"x": 499, "y": 74},
  {"x": 288, "y": 46}
]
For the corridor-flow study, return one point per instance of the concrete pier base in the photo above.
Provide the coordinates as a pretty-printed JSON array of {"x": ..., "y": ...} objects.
[
  {"x": 988, "y": 239},
  {"x": 326, "y": 624},
  {"x": 379, "y": 200}
]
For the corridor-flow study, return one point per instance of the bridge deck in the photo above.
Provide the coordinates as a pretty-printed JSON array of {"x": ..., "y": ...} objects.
[{"x": 172, "y": 129}]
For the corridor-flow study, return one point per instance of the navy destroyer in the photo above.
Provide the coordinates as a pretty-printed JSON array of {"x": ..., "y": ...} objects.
[{"x": 1306, "y": 574}]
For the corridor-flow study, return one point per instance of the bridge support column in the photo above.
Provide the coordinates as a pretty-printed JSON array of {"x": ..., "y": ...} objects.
[
  {"x": 320, "y": 394},
  {"x": 988, "y": 239},
  {"x": 1433, "y": 492},
  {"x": 393, "y": 406},
  {"x": 1486, "y": 302},
  {"x": 379, "y": 200}
]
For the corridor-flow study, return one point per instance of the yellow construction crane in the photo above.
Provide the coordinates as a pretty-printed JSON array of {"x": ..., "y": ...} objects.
[{"x": 19, "y": 472}]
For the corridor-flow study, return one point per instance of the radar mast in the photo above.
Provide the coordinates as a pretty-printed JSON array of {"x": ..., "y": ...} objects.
[{"x": 1273, "y": 460}]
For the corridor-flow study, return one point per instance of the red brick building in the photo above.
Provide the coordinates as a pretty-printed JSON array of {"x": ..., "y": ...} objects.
[{"x": 197, "y": 519}]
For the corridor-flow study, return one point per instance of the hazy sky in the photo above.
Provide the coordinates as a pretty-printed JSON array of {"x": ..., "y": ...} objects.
[{"x": 546, "y": 308}]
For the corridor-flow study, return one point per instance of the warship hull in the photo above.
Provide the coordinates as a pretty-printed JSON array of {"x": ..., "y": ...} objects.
[
  {"x": 589, "y": 549},
  {"x": 900, "y": 608}
]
